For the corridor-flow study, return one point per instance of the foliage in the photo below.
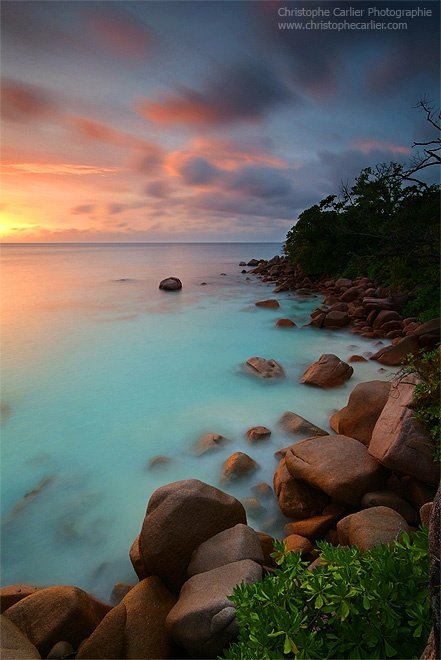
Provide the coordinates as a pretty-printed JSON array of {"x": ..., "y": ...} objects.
[
  {"x": 355, "y": 604},
  {"x": 383, "y": 227},
  {"x": 426, "y": 402}
]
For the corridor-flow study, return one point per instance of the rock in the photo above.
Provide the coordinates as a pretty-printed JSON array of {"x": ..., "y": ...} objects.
[
  {"x": 351, "y": 294},
  {"x": 243, "y": 271},
  {"x": 256, "y": 433},
  {"x": 371, "y": 527},
  {"x": 60, "y": 650},
  {"x": 233, "y": 544},
  {"x": 392, "y": 501},
  {"x": 336, "y": 319},
  {"x": 243, "y": 263},
  {"x": 209, "y": 442},
  {"x": 238, "y": 465},
  {"x": 416, "y": 492},
  {"x": 57, "y": 613},
  {"x": 253, "y": 262},
  {"x": 357, "y": 358},
  {"x": 253, "y": 506},
  {"x": 267, "y": 547},
  {"x": 203, "y": 621},
  {"x": 311, "y": 528},
  {"x": 292, "y": 423},
  {"x": 203, "y": 284},
  {"x": 425, "y": 512},
  {"x": 337, "y": 465},
  {"x": 136, "y": 627},
  {"x": 429, "y": 328},
  {"x": 180, "y": 516},
  {"x": 265, "y": 368},
  {"x": 272, "y": 304},
  {"x": 296, "y": 543},
  {"x": 343, "y": 283},
  {"x": 263, "y": 489},
  {"x": 170, "y": 284},
  {"x": 358, "y": 418},
  {"x": 157, "y": 461},
  {"x": 13, "y": 643},
  {"x": 12, "y": 593},
  {"x": 435, "y": 569},
  {"x": 399, "y": 442},
  {"x": 328, "y": 371},
  {"x": 385, "y": 316},
  {"x": 285, "y": 323},
  {"x": 297, "y": 500},
  {"x": 137, "y": 560},
  {"x": 395, "y": 355},
  {"x": 120, "y": 589}
]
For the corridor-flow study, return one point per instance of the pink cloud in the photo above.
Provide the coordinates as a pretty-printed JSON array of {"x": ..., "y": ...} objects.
[
  {"x": 120, "y": 34},
  {"x": 22, "y": 102},
  {"x": 367, "y": 145}
]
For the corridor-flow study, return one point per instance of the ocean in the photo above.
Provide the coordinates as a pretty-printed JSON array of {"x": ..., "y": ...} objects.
[{"x": 101, "y": 372}]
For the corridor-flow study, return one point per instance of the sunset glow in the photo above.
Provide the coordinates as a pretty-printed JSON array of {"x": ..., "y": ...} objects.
[{"x": 190, "y": 121}]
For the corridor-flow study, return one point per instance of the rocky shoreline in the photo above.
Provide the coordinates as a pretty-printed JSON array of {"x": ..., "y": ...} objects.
[{"x": 364, "y": 485}]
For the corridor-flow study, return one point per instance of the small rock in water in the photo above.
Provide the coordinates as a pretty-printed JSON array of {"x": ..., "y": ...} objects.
[
  {"x": 209, "y": 442},
  {"x": 265, "y": 368},
  {"x": 203, "y": 284},
  {"x": 170, "y": 284},
  {"x": 243, "y": 271},
  {"x": 253, "y": 262},
  {"x": 256, "y": 433},
  {"x": 285, "y": 323},
  {"x": 238, "y": 465},
  {"x": 263, "y": 489},
  {"x": 242, "y": 263},
  {"x": 5, "y": 412},
  {"x": 158, "y": 460},
  {"x": 271, "y": 304}
]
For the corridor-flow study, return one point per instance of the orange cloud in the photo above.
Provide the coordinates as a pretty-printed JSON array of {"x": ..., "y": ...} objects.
[
  {"x": 23, "y": 102},
  {"x": 366, "y": 146},
  {"x": 119, "y": 33},
  {"x": 56, "y": 168}
]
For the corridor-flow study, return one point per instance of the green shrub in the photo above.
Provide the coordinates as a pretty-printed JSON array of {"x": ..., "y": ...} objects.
[
  {"x": 426, "y": 402},
  {"x": 372, "y": 604}
]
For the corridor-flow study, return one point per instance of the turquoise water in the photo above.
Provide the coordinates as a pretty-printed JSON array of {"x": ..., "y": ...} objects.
[{"x": 101, "y": 371}]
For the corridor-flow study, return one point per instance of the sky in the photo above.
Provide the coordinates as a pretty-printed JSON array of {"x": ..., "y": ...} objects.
[{"x": 142, "y": 121}]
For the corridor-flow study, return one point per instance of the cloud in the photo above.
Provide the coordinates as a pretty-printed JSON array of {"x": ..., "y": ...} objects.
[
  {"x": 158, "y": 188},
  {"x": 116, "y": 32},
  {"x": 260, "y": 181},
  {"x": 115, "y": 208},
  {"x": 62, "y": 169},
  {"x": 244, "y": 93},
  {"x": 198, "y": 171},
  {"x": 22, "y": 102},
  {"x": 99, "y": 132},
  {"x": 367, "y": 145},
  {"x": 83, "y": 209}
]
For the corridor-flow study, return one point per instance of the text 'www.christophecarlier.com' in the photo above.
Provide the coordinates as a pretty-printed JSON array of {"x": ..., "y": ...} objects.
[{"x": 338, "y": 18}]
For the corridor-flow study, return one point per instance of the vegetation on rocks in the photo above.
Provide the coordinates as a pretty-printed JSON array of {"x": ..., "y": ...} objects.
[{"x": 354, "y": 604}]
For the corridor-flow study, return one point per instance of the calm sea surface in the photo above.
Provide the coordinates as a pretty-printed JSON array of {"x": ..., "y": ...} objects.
[{"x": 101, "y": 371}]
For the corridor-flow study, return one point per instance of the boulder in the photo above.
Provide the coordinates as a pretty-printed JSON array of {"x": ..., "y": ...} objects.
[
  {"x": 267, "y": 546},
  {"x": 400, "y": 442},
  {"x": 343, "y": 283},
  {"x": 120, "y": 589},
  {"x": 396, "y": 354},
  {"x": 328, "y": 371},
  {"x": 392, "y": 501},
  {"x": 137, "y": 560},
  {"x": 358, "y": 418},
  {"x": 351, "y": 294},
  {"x": 14, "y": 644},
  {"x": 231, "y": 545},
  {"x": 385, "y": 316},
  {"x": 297, "y": 543},
  {"x": 238, "y": 465},
  {"x": 338, "y": 465},
  {"x": 429, "y": 328},
  {"x": 265, "y": 368},
  {"x": 252, "y": 262},
  {"x": 297, "y": 500},
  {"x": 425, "y": 513},
  {"x": 203, "y": 621},
  {"x": 170, "y": 284},
  {"x": 336, "y": 319},
  {"x": 311, "y": 528},
  {"x": 57, "y": 613},
  {"x": 136, "y": 627},
  {"x": 180, "y": 516},
  {"x": 292, "y": 423},
  {"x": 61, "y": 650},
  {"x": 242, "y": 263},
  {"x": 256, "y": 433},
  {"x": 209, "y": 442},
  {"x": 12, "y": 593},
  {"x": 416, "y": 492},
  {"x": 285, "y": 323},
  {"x": 371, "y": 527},
  {"x": 272, "y": 304}
]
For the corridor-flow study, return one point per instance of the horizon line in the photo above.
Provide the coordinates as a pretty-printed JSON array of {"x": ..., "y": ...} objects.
[{"x": 141, "y": 243}]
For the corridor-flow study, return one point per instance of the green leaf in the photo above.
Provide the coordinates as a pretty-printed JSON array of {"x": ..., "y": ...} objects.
[
  {"x": 390, "y": 651},
  {"x": 318, "y": 602}
]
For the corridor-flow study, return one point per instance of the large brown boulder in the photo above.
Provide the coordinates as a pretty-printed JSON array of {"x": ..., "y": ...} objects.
[
  {"x": 238, "y": 465},
  {"x": 233, "y": 544},
  {"x": 14, "y": 645},
  {"x": 358, "y": 418},
  {"x": 180, "y": 516},
  {"x": 272, "y": 304},
  {"x": 328, "y": 371},
  {"x": 311, "y": 528},
  {"x": 136, "y": 627},
  {"x": 264, "y": 368},
  {"x": 203, "y": 621},
  {"x": 297, "y": 499},
  {"x": 400, "y": 442},
  {"x": 392, "y": 501},
  {"x": 337, "y": 465},
  {"x": 396, "y": 354},
  {"x": 292, "y": 423},
  {"x": 57, "y": 613},
  {"x": 371, "y": 527},
  {"x": 336, "y": 319},
  {"x": 12, "y": 593}
]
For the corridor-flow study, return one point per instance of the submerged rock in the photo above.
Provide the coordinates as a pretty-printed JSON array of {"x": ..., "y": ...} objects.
[
  {"x": 170, "y": 284},
  {"x": 238, "y": 465},
  {"x": 272, "y": 304},
  {"x": 265, "y": 368},
  {"x": 256, "y": 433},
  {"x": 209, "y": 442},
  {"x": 292, "y": 423}
]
